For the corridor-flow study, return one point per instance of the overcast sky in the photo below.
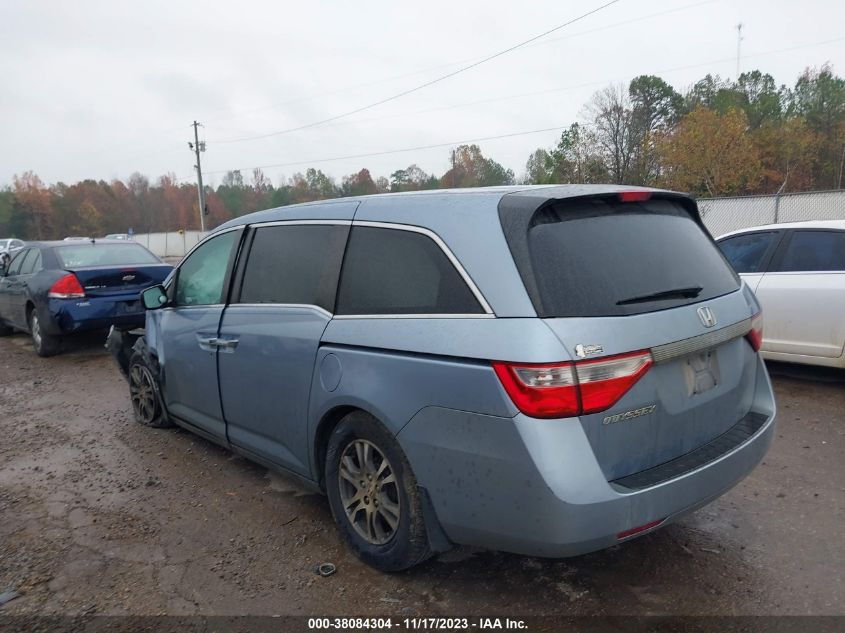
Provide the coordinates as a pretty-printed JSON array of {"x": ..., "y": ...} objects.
[{"x": 103, "y": 89}]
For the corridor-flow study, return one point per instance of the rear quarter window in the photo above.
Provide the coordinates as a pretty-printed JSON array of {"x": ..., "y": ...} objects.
[
  {"x": 392, "y": 271},
  {"x": 596, "y": 256}
]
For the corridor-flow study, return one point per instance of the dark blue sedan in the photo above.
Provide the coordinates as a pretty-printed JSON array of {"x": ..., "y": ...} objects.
[{"x": 52, "y": 289}]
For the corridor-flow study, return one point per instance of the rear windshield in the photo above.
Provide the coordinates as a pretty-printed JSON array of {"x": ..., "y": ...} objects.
[
  {"x": 600, "y": 257},
  {"x": 79, "y": 255}
]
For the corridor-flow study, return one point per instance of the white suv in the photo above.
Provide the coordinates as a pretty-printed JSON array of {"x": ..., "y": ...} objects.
[{"x": 797, "y": 271}]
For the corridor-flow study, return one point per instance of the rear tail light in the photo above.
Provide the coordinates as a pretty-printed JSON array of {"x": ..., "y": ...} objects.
[
  {"x": 755, "y": 335},
  {"x": 68, "y": 287},
  {"x": 562, "y": 390}
]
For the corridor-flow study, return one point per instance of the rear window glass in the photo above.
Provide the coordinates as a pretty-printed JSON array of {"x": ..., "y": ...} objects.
[
  {"x": 80, "y": 255},
  {"x": 389, "y": 271},
  {"x": 600, "y": 257}
]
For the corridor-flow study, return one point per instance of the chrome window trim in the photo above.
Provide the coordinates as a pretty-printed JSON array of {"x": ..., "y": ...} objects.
[
  {"x": 708, "y": 340},
  {"x": 488, "y": 311},
  {"x": 300, "y": 223},
  {"x": 300, "y": 306},
  {"x": 446, "y": 251},
  {"x": 413, "y": 316}
]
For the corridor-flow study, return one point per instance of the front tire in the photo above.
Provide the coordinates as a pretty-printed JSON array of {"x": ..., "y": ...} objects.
[
  {"x": 145, "y": 394},
  {"x": 373, "y": 495},
  {"x": 45, "y": 344},
  {"x": 5, "y": 330}
]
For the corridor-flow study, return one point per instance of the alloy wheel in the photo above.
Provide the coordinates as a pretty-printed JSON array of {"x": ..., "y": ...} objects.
[
  {"x": 142, "y": 393},
  {"x": 369, "y": 492},
  {"x": 35, "y": 328}
]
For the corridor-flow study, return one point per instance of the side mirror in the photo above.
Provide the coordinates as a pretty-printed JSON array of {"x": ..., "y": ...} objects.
[{"x": 154, "y": 298}]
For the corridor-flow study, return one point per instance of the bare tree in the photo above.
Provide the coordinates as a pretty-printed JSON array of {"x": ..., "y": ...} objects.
[{"x": 611, "y": 118}]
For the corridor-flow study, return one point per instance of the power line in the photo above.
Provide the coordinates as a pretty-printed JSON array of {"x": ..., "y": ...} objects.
[
  {"x": 527, "y": 94},
  {"x": 427, "y": 83},
  {"x": 545, "y": 91},
  {"x": 273, "y": 106},
  {"x": 392, "y": 151}
]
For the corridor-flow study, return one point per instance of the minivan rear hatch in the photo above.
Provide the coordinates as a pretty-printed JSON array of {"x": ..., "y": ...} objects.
[{"x": 625, "y": 272}]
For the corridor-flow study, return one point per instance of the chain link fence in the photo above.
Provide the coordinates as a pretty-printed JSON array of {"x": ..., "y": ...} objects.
[{"x": 722, "y": 215}]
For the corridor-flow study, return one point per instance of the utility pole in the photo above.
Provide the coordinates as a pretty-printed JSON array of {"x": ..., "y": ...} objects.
[
  {"x": 198, "y": 147},
  {"x": 738, "y": 44}
]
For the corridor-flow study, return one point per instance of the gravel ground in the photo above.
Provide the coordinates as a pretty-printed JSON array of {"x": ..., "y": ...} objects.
[{"x": 99, "y": 515}]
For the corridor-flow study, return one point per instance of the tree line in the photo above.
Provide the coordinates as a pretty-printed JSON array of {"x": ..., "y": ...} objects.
[{"x": 719, "y": 138}]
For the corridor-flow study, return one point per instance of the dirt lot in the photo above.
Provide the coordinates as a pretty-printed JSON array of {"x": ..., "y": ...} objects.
[{"x": 101, "y": 515}]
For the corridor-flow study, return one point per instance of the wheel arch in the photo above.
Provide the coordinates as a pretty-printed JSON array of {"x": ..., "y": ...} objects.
[{"x": 323, "y": 432}]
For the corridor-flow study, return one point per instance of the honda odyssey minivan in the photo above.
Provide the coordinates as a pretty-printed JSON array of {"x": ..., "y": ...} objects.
[{"x": 545, "y": 370}]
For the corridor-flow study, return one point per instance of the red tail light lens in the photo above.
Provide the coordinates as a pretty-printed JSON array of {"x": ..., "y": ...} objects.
[
  {"x": 68, "y": 287},
  {"x": 755, "y": 335},
  {"x": 604, "y": 381},
  {"x": 563, "y": 390},
  {"x": 541, "y": 391}
]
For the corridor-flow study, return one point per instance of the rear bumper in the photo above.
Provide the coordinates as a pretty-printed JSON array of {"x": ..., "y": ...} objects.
[
  {"x": 534, "y": 486},
  {"x": 67, "y": 316}
]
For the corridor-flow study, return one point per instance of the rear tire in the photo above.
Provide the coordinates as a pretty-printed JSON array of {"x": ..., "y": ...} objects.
[
  {"x": 45, "y": 344},
  {"x": 373, "y": 495},
  {"x": 145, "y": 394},
  {"x": 5, "y": 330}
]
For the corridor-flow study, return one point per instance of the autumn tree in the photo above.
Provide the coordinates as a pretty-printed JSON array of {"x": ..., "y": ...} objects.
[
  {"x": 575, "y": 159},
  {"x": 360, "y": 184},
  {"x": 655, "y": 107},
  {"x": 32, "y": 211},
  {"x": 819, "y": 98},
  {"x": 472, "y": 169},
  {"x": 710, "y": 153},
  {"x": 412, "y": 179}
]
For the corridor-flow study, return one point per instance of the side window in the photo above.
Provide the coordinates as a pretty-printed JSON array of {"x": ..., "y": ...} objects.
[
  {"x": 294, "y": 264},
  {"x": 814, "y": 251},
  {"x": 390, "y": 271},
  {"x": 17, "y": 262},
  {"x": 32, "y": 264},
  {"x": 201, "y": 275},
  {"x": 747, "y": 253}
]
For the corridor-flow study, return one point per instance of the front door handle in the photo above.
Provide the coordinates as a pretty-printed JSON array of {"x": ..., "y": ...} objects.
[
  {"x": 212, "y": 343},
  {"x": 226, "y": 343}
]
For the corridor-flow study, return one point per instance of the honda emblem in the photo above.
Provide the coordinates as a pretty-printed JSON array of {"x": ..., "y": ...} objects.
[{"x": 708, "y": 319}]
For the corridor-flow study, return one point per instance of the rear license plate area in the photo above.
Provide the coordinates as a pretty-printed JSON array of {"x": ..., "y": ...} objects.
[{"x": 701, "y": 372}]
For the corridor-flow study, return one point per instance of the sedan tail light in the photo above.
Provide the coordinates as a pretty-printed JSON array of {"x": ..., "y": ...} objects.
[
  {"x": 68, "y": 287},
  {"x": 755, "y": 335},
  {"x": 561, "y": 390}
]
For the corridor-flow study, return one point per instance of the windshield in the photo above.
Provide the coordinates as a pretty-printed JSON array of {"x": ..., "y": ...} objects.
[
  {"x": 601, "y": 257},
  {"x": 80, "y": 255},
  {"x": 4, "y": 244}
]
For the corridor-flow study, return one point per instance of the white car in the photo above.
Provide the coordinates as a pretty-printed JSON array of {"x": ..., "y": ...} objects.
[
  {"x": 11, "y": 246},
  {"x": 797, "y": 271}
]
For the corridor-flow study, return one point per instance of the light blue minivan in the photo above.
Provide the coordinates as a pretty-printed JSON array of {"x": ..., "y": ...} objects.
[{"x": 545, "y": 370}]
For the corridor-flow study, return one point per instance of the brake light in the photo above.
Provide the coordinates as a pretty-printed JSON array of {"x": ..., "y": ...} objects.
[
  {"x": 68, "y": 287},
  {"x": 755, "y": 334},
  {"x": 634, "y": 196},
  {"x": 562, "y": 390}
]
